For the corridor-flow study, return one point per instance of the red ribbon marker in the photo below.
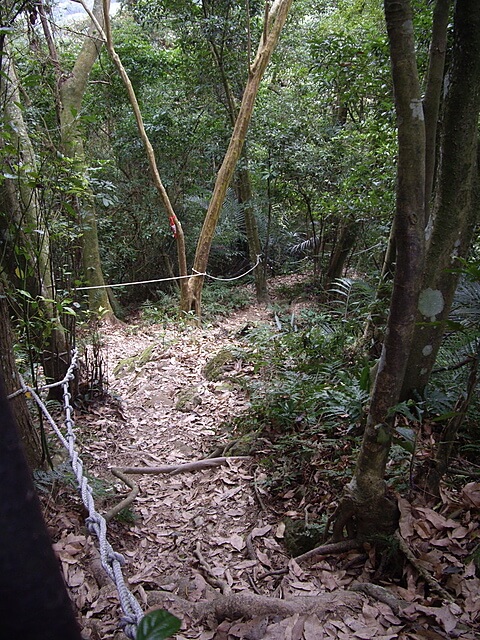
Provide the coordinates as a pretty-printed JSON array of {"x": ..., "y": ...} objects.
[{"x": 173, "y": 226}]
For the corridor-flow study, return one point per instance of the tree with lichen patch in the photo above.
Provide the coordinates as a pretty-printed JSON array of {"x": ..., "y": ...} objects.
[
  {"x": 423, "y": 289},
  {"x": 365, "y": 508},
  {"x": 456, "y": 201}
]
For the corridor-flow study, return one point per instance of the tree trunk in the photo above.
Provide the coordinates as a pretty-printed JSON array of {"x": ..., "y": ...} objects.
[
  {"x": 157, "y": 181},
  {"x": 244, "y": 191},
  {"x": 244, "y": 183},
  {"x": 365, "y": 508},
  {"x": 433, "y": 91},
  {"x": 345, "y": 243},
  {"x": 191, "y": 296},
  {"x": 21, "y": 211},
  {"x": 71, "y": 92},
  {"x": 28, "y": 434},
  {"x": 456, "y": 203}
]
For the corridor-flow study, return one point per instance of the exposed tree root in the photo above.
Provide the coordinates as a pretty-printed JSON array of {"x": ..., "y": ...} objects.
[
  {"x": 331, "y": 548},
  {"x": 171, "y": 470},
  {"x": 249, "y": 605},
  {"x": 429, "y": 579},
  {"x": 211, "y": 578},
  {"x": 376, "y": 592}
]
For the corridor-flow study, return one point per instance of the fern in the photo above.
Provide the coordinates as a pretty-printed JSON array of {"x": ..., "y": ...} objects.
[
  {"x": 354, "y": 295},
  {"x": 466, "y": 305}
]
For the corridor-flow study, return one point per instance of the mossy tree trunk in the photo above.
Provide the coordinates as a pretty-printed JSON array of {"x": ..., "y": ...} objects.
[
  {"x": 455, "y": 209},
  {"x": 72, "y": 87},
  {"x": 365, "y": 509},
  {"x": 28, "y": 434},
  {"x": 27, "y": 264}
]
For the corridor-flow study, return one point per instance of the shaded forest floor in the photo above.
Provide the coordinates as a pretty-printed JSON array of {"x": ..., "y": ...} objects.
[{"x": 190, "y": 536}]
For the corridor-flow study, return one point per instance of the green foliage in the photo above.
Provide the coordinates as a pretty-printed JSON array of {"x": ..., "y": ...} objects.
[
  {"x": 218, "y": 300},
  {"x": 158, "y": 625},
  {"x": 457, "y": 361},
  {"x": 308, "y": 389},
  {"x": 44, "y": 480}
]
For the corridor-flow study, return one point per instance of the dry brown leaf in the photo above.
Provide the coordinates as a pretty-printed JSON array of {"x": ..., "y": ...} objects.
[{"x": 471, "y": 495}]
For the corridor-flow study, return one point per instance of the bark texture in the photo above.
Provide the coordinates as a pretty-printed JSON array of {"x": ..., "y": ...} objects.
[
  {"x": 456, "y": 204},
  {"x": 28, "y": 435},
  {"x": 365, "y": 508},
  {"x": 433, "y": 90},
  {"x": 72, "y": 88}
]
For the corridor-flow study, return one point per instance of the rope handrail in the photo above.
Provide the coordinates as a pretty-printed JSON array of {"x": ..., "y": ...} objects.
[
  {"x": 111, "y": 560},
  {"x": 242, "y": 275},
  {"x": 195, "y": 274}
]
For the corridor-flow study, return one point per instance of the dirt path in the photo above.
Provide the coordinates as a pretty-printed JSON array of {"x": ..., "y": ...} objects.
[{"x": 169, "y": 413}]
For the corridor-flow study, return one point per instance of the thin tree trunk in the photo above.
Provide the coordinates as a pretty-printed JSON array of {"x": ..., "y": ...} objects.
[
  {"x": 365, "y": 508},
  {"x": 71, "y": 92},
  {"x": 244, "y": 183},
  {"x": 244, "y": 191},
  {"x": 345, "y": 243},
  {"x": 157, "y": 181},
  {"x": 275, "y": 20},
  {"x": 433, "y": 91}
]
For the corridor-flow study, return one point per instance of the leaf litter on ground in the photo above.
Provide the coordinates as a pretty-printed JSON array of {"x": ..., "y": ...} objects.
[{"x": 217, "y": 510}]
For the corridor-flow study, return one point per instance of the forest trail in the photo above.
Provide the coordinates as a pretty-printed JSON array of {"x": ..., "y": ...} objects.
[
  {"x": 165, "y": 412},
  {"x": 193, "y": 535}
]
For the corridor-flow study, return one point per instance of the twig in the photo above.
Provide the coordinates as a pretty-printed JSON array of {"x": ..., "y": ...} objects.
[
  {"x": 323, "y": 550},
  {"x": 276, "y": 572},
  {"x": 171, "y": 470},
  {"x": 253, "y": 556},
  {"x": 257, "y": 493},
  {"x": 212, "y": 579},
  {"x": 326, "y": 549},
  {"x": 250, "y": 548},
  {"x": 429, "y": 579},
  {"x": 126, "y": 502}
]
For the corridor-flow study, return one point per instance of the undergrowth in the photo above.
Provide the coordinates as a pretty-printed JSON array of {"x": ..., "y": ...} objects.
[
  {"x": 218, "y": 300},
  {"x": 310, "y": 392}
]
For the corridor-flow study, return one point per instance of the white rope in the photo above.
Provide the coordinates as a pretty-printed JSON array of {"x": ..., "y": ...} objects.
[
  {"x": 129, "y": 284},
  {"x": 242, "y": 275},
  {"x": 112, "y": 561},
  {"x": 195, "y": 274}
]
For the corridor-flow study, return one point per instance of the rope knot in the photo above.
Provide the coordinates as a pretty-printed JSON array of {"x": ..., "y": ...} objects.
[
  {"x": 114, "y": 556},
  {"x": 94, "y": 522}
]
